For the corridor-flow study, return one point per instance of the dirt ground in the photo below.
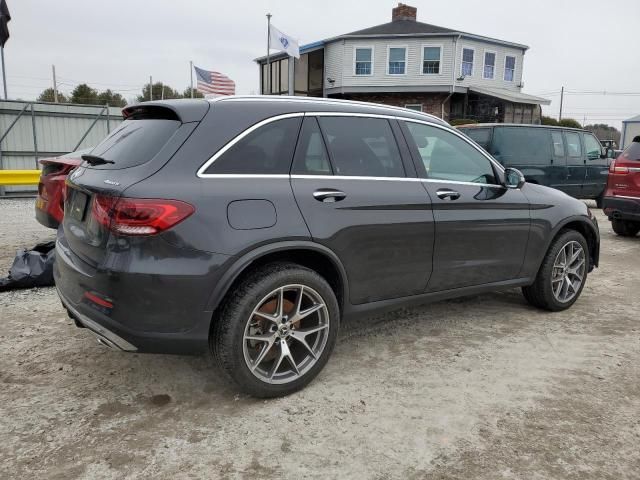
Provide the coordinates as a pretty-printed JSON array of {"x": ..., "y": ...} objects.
[{"x": 483, "y": 387}]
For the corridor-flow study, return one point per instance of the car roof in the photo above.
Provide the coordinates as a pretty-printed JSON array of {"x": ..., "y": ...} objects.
[
  {"x": 189, "y": 110},
  {"x": 485, "y": 125}
]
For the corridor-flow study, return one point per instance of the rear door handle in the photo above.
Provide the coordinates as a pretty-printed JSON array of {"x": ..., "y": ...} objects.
[
  {"x": 329, "y": 195},
  {"x": 446, "y": 193}
]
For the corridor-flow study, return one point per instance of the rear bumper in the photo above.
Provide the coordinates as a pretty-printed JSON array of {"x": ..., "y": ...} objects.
[
  {"x": 161, "y": 311},
  {"x": 623, "y": 208}
]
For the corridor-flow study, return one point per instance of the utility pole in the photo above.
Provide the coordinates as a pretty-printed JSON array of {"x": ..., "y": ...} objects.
[
  {"x": 561, "y": 100},
  {"x": 268, "y": 52},
  {"x": 150, "y": 87},
  {"x": 161, "y": 91},
  {"x": 55, "y": 84},
  {"x": 4, "y": 73}
]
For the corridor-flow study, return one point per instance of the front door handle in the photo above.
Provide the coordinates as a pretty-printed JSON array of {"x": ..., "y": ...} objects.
[
  {"x": 446, "y": 193},
  {"x": 329, "y": 195}
]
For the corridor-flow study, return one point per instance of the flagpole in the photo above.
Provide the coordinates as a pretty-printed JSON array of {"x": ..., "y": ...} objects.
[
  {"x": 268, "y": 52},
  {"x": 4, "y": 74},
  {"x": 191, "y": 72}
]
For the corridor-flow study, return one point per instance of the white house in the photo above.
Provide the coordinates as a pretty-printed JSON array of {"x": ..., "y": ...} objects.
[
  {"x": 412, "y": 64},
  {"x": 630, "y": 130}
]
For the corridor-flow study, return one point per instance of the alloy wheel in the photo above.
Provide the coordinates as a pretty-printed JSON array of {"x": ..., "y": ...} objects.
[
  {"x": 568, "y": 271},
  {"x": 286, "y": 334}
]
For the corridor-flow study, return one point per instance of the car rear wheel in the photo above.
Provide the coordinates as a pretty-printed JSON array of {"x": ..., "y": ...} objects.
[
  {"x": 562, "y": 274},
  {"x": 276, "y": 331},
  {"x": 625, "y": 228}
]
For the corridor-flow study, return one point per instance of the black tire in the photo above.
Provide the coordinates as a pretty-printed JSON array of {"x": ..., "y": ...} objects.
[
  {"x": 540, "y": 293},
  {"x": 226, "y": 339},
  {"x": 599, "y": 200},
  {"x": 625, "y": 228}
]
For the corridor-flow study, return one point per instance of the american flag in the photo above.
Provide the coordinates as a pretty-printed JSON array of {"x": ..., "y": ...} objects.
[{"x": 214, "y": 83}]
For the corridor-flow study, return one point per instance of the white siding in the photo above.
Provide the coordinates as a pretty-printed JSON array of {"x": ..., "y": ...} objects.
[
  {"x": 478, "y": 64},
  {"x": 339, "y": 63},
  {"x": 630, "y": 131}
]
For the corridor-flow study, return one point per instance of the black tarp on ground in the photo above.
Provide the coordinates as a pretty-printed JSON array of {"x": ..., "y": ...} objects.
[{"x": 31, "y": 268}]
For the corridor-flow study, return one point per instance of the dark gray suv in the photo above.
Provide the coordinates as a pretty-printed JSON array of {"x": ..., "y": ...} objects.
[{"x": 253, "y": 226}]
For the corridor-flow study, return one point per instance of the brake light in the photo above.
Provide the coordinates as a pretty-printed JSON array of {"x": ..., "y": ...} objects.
[
  {"x": 613, "y": 168},
  {"x": 139, "y": 216}
]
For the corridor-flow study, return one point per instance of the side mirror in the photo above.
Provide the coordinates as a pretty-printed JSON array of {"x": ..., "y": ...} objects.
[
  {"x": 610, "y": 153},
  {"x": 513, "y": 178}
]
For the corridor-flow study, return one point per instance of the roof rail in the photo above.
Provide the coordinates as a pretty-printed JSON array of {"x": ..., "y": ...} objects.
[{"x": 290, "y": 98}]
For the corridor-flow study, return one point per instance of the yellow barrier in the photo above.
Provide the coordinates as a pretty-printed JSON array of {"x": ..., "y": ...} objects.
[{"x": 19, "y": 177}]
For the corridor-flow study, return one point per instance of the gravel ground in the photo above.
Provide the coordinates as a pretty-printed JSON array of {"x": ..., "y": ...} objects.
[{"x": 483, "y": 387}]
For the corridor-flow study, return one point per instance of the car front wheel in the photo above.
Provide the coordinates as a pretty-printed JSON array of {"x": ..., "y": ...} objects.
[
  {"x": 562, "y": 274},
  {"x": 276, "y": 331}
]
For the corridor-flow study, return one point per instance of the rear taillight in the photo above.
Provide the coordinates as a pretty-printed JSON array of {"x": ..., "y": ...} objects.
[
  {"x": 139, "y": 216},
  {"x": 613, "y": 168}
]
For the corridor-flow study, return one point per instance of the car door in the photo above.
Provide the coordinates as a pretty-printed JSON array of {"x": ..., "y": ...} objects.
[
  {"x": 482, "y": 228},
  {"x": 349, "y": 181},
  {"x": 576, "y": 164},
  {"x": 596, "y": 167}
]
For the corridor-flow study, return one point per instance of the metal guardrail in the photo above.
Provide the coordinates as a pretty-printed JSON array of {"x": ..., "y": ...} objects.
[{"x": 19, "y": 177}]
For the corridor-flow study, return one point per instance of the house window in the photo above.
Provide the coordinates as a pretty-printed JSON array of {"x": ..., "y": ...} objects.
[
  {"x": 397, "y": 60},
  {"x": 364, "y": 60},
  {"x": 431, "y": 60},
  {"x": 509, "y": 68},
  {"x": 467, "y": 62},
  {"x": 489, "y": 65},
  {"x": 414, "y": 106}
]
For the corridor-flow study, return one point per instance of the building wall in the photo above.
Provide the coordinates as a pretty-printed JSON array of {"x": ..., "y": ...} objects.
[
  {"x": 339, "y": 63},
  {"x": 629, "y": 131},
  {"x": 58, "y": 129},
  {"x": 478, "y": 65},
  {"x": 431, "y": 102}
]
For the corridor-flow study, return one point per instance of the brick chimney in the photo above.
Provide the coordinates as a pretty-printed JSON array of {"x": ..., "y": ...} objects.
[{"x": 404, "y": 12}]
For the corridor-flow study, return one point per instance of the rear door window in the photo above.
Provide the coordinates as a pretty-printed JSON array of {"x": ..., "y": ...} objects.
[
  {"x": 521, "y": 145},
  {"x": 135, "y": 142},
  {"x": 268, "y": 150},
  {"x": 361, "y": 146},
  {"x": 574, "y": 147},
  {"x": 482, "y": 136}
]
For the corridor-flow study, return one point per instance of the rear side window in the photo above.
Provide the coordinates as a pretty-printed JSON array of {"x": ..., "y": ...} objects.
[
  {"x": 574, "y": 148},
  {"x": 558, "y": 144},
  {"x": 267, "y": 150},
  {"x": 521, "y": 145},
  {"x": 311, "y": 155},
  {"x": 632, "y": 152},
  {"x": 481, "y": 136},
  {"x": 135, "y": 142},
  {"x": 362, "y": 146}
]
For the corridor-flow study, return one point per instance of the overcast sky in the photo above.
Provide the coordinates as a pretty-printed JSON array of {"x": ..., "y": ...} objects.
[{"x": 586, "y": 45}]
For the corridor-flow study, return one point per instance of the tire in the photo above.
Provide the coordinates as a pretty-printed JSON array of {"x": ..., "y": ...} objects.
[
  {"x": 625, "y": 228},
  {"x": 599, "y": 200},
  {"x": 247, "y": 311},
  {"x": 541, "y": 293}
]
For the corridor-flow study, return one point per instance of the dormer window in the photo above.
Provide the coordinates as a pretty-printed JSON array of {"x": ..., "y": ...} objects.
[
  {"x": 489, "y": 65},
  {"x": 509, "y": 68},
  {"x": 467, "y": 62},
  {"x": 397, "y": 60},
  {"x": 364, "y": 60}
]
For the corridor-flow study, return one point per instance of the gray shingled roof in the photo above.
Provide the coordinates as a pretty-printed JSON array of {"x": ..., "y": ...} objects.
[{"x": 401, "y": 27}]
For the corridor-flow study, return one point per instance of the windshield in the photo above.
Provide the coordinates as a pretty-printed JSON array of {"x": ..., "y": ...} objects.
[{"x": 135, "y": 142}]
